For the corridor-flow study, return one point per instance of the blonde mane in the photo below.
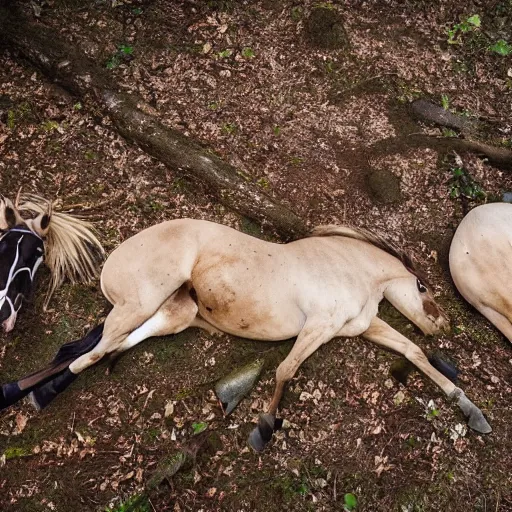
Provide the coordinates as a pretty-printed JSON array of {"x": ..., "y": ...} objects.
[
  {"x": 375, "y": 239},
  {"x": 72, "y": 250}
]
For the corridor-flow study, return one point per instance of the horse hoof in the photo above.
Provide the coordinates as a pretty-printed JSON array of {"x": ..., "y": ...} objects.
[
  {"x": 478, "y": 423},
  {"x": 10, "y": 393},
  {"x": 263, "y": 432}
]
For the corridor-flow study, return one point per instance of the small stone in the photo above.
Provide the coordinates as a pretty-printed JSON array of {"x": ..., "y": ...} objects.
[
  {"x": 384, "y": 186},
  {"x": 389, "y": 383},
  {"x": 399, "y": 398}
]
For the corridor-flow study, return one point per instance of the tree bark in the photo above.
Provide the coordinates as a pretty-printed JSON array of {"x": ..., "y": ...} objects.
[{"x": 132, "y": 118}]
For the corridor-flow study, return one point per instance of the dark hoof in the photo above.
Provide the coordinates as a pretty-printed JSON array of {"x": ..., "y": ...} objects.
[
  {"x": 262, "y": 433},
  {"x": 443, "y": 365},
  {"x": 11, "y": 393},
  {"x": 41, "y": 396}
]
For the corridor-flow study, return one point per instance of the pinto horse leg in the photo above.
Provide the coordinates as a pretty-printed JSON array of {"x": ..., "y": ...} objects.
[
  {"x": 383, "y": 334},
  {"x": 309, "y": 340}
]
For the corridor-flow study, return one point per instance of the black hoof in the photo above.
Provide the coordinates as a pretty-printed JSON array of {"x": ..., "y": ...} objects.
[
  {"x": 442, "y": 364},
  {"x": 11, "y": 393},
  {"x": 262, "y": 433},
  {"x": 41, "y": 396}
]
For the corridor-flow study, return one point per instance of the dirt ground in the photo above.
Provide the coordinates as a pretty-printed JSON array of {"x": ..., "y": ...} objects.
[{"x": 247, "y": 80}]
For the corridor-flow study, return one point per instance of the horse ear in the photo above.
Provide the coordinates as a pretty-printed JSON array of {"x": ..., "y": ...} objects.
[
  {"x": 9, "y": 216},
  {"x": 41, "y": 224}
]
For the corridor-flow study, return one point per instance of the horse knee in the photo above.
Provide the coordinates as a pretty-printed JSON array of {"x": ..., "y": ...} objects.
[
  {"x": 414, "y": 354},
  {"x": 285, "y": 371}
]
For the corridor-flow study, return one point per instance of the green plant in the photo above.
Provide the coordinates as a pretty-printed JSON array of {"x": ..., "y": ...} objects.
[
  {"x": 462, "y": 184},
  {"x": 199, "y": 427},
  {"x": 470, "y": 24},
  {"x": 448, "y": 132},
  {"x": 263, "y": 183},
  {"x": 248, "y": 53},
  {"x": 135, "y": 503},
  {"x": 50, "y": 126},
  {"x": 349, "y": 502},
  {"x": 77, "y": 106},
  {"x": 224, "y": 54},
  {"x": 276, "y": 130},
  {"x": 501, "y": 47},
  {"x": 445, "y": 101},
  {"x": 296, "y": 13},
  {"x": 124, "y": 53},
  {"x": 229, "y": 128}
]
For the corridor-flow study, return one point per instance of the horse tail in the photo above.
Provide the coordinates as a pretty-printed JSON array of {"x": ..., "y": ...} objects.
[
  {"x": 72, "y": 250},
  {"x": 12, "y": 392}
]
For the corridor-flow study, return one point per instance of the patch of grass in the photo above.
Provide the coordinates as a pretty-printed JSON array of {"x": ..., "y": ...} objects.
[
  {"x": 445, "y": 101},
  {"x": 276, "y": 130},
  {"x": 296, "y": 13},
  {"x": 470, "y": 24},
  {"x": 296, "y": 160},
  {"x": 90, "y": 155},
  {"x": 15, "y": 452},
  {"x": 448, "y": 132},
  {"x": 229, "y": 128},
  {"x": 15, "y": 115},
  {"x": 199, "y": 427},
  {"x": 263, "y": 183},
  {"x": 50, "y": 126},
  {"x": 77, "y": 106},
  {"x": 224, "y": 54},
  {"x": 248, "y": 53}
]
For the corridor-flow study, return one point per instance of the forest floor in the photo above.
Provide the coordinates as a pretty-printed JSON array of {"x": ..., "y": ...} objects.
[{"x": 250, "y": 81}]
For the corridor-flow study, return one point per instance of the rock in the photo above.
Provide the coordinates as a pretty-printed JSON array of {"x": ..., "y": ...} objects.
[
  {"x": 429, "y": 112},
  {"x": 325, "y": 29},
  {"x": 507, "y": 197},
  {"x": 384, "y": 186}
]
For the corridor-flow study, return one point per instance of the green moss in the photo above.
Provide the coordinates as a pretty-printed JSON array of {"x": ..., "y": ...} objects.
[{"x": 15, "y": 452}]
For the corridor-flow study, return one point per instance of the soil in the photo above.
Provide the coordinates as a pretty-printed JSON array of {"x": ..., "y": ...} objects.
[{"x": 244, "y": 79}]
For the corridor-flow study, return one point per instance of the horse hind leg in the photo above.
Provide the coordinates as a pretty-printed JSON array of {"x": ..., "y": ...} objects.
[{"x": 175, "y": 315}]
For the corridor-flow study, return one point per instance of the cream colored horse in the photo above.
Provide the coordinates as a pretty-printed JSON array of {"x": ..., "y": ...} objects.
[
  {"x": 481, "y": 262},
  {"x": 186, "y": 273}
]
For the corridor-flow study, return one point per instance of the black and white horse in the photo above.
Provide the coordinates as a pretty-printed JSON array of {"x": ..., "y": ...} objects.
[{"x": 66, "y": 243}]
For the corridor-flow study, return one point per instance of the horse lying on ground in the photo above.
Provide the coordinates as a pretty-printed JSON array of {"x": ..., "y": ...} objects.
[
  {"x": 67, "y": 244},
  {"x": 480, "y": 262},
  {"x": 192, "y": 273}
]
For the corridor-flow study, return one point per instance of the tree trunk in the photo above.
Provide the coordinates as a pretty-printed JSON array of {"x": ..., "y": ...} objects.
[{"x": 130, "y": 115}]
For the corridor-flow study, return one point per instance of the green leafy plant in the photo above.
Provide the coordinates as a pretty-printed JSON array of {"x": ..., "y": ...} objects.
[
  {"x": 248, "y": 53},
  {"x": 199, "y": 427},
  {"x": 462, "y": 184},
  {"x": 77, "y": 106},
  {"x": 349, "y": 502},
  {"x": 470, "y": 24},
  {"x": 501, "y": 47},
  {"x": 124, "y": 53},
  {"x": 445, "y": 101},
  {"x": 296, "y": 13},
  {"x": 224, "y": 54}
]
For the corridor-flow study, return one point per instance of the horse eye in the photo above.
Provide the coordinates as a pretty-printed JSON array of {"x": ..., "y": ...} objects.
[{"x": 421, "y": 287}]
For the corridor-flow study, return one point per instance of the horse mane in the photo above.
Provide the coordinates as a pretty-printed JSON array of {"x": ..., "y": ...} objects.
[
  {"x": 72, "y": 250},
  {"x": 373, "y": 238}
]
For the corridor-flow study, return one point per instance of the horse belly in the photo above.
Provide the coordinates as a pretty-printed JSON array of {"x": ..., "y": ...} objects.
[{"x": 245, "y": 305}]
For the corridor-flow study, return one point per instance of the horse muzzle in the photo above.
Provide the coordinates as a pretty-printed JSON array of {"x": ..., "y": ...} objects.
[{"x": 8, "y": 324}]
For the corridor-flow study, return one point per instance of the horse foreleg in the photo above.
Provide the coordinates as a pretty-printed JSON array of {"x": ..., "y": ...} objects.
[
  {"x": 383, "y": 334},
  {"x": 309, "y": 340}
]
